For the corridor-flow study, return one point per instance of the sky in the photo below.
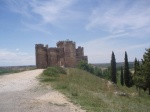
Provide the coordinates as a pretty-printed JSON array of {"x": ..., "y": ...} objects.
[{"x": 100, "y": 26}]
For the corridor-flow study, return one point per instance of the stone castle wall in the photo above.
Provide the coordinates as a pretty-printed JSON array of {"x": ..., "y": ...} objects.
[
  {"x": 41, "y": 56},
  {"x": 65, "y": 54}
]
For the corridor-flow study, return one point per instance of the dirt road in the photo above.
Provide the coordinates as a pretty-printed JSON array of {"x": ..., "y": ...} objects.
[{"x": 21, "y": 92}]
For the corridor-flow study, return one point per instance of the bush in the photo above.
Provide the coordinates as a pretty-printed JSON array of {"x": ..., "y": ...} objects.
[
  {"x": 98, "y": 72},
  {"x": 106, "y": 74},
  {"x": 85, "y": 66},
  {"x": 54, "y": 71}
]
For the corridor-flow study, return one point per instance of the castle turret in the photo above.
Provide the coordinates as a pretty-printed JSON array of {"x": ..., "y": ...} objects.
[
  {"x": 80, "y": 55},
  {"x": 41, "y": 55},
  {"x": 69, "y": 52},
  {"x": 79, "y": 51}
]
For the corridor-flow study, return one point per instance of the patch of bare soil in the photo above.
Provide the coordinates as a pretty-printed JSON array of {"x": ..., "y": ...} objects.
[{"x": 21, "y": 92}]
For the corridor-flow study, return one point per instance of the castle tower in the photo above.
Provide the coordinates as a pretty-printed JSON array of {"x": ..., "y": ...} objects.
[
  {"x": 69, "y": 52},
  {"x": 61, "y": 58},
  {"x": 80, "y": 55},
  {"x": 41, "y": 55},
  {"x": 79, "y": 51}
]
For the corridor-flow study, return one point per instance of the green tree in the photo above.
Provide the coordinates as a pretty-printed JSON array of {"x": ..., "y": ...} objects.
[
  {"x": 121, "y": 77},
  {"x": 126, "y": 71},
  {"x": 106, "y": 74},
  {"x": 90, "y": 68},
  {"x": 113, "y": 68},
  {"x": 138, "y": 76},
  {"x": 98, "y": 71},
  {"x": 135, "y": 65},
  {"x": 85, "y": 66},
  {"x": 146, "y": 67}
]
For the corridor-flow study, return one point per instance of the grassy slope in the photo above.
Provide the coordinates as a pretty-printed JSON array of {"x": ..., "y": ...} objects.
[{"x": 97, "y": 95}]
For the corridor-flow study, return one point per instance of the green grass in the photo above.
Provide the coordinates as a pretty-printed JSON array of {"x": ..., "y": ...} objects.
[
  {"x": 97, "y": 95},
  {"x": 6, "y": 71},
  {"x": 54, "y": 71}
]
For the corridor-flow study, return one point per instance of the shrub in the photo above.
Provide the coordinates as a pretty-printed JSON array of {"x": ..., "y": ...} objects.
[
  {"x": 54, "y": 71},
  {"x": 85, "y": 66}
]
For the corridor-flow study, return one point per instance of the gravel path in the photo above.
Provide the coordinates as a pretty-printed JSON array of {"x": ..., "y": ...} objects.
[{"x": 21, "y": 92}]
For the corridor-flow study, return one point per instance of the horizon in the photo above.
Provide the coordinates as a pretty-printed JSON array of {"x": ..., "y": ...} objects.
[
  {"x": 99, "y": 26},
  {"x": 88, "y": 63}
]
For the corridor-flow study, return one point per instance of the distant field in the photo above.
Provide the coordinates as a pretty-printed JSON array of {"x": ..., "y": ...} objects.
[
  {"x": 14, "y": 69},
  {"x": 96, "y": 94},
  {"x": 118, "y": 65}
]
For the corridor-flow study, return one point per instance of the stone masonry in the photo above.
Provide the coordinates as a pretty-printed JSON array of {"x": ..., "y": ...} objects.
[{"x": 65, "y": 54}]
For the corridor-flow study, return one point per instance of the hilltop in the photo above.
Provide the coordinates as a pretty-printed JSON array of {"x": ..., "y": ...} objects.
[{"x": 95, "y": 94}]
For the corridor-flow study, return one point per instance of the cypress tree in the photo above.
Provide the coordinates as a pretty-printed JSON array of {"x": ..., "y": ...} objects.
[
  {"x": 121, "y": 77},
  {"x": 138, "y": 77},
  {"x": 146, "y": 68},
  {"x": 126, "y": 71},
  {"x": 135, "y": 65},
  {"x": 113, "y": 68}
]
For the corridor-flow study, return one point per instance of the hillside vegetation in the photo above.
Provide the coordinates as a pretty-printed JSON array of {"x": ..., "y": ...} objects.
[
  {"x": 15, "y": 69},
  {"x": 93, "y": 93}
]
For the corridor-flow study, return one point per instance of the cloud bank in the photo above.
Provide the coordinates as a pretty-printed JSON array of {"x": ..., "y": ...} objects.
[{"x": 15, "y": 58}]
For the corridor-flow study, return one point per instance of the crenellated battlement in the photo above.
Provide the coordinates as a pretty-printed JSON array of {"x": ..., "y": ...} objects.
[
  {"x": 64, "y": 42},
  {"x": 39, "y": 45},
  {"x": 79, "y": 47}
]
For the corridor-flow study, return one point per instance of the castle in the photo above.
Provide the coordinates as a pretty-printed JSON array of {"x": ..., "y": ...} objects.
[{"x": 65, "y": 54}]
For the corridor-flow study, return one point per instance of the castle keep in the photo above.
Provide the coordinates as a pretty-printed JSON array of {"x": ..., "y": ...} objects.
[{"x": 65, "y": 54}]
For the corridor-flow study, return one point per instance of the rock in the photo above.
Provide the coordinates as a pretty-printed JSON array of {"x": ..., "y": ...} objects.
[{"x": 120, "y": 93}]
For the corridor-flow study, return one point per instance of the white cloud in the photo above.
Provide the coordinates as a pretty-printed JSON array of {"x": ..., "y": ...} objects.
[
  {"x": 17, "y": 49},
  {"x": 117, "y": 17},
  {"x": 19, "y": 6},
  {"x": 120, "y": 17},
  {"x": 9, "y": 58},
  {"x": 36, "y": 27},
  {"x": 52, "y": 10},
  {"x": 39, "y": 15},
  {"x": 47, "y": 10}
]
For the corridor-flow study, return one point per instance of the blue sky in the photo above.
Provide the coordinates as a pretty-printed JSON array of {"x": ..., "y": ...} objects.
[{"x": 100, "y": 26}]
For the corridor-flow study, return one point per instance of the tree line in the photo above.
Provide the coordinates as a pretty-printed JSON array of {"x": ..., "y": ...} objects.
[
  {"x": 94, "y": 70},
  {"x": 140, "y": 78}
]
